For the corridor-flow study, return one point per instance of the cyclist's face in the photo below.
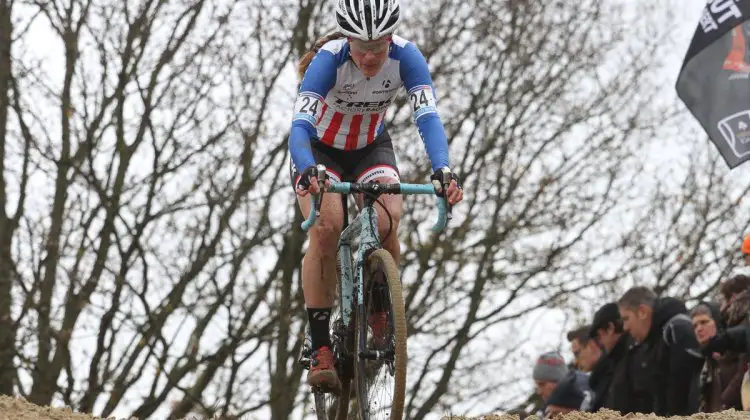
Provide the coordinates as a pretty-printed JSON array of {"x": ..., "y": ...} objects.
[{"x": 370, "y": 56}]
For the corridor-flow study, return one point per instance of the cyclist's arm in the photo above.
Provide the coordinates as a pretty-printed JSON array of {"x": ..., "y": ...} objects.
[
  {"x": 422, "y": 99},
  {"x": 318, "y": 80}
]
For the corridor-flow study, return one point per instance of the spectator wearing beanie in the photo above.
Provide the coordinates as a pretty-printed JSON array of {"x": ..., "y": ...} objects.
[
  {"x": 550, "y": 368},
  {"x": 569, "y": 395}
]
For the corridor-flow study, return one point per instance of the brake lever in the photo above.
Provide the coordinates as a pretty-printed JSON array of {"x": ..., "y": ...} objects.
[
  {"x": 321, "y": 177},
  {"x": 447, "y": 183}
]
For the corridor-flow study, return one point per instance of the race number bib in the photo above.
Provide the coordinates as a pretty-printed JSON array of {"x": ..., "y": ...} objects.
[
  {"x": 422, "y": 100},
  {"x": 308, "y": 107}
]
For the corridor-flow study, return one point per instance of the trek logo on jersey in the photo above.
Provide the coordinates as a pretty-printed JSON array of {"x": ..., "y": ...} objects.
[
  {"x": 361, "y": 106},
  {"x": 422, "y": 99}
]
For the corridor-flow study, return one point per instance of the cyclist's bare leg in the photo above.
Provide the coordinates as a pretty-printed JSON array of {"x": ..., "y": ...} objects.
[
  {"x": 319, "y": 286},
  {"x": 319, "y": 264}
]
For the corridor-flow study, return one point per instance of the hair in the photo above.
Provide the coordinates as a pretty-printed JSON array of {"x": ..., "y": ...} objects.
[
  {"x": 736, "y": 284},
  {"x": 619, "y": 327},
  {"x": 304, "y": 62},
  {"x": 637, "y": 296},
  {"x": 701, "y": 309},
  {"x": 581, "y": 334}
]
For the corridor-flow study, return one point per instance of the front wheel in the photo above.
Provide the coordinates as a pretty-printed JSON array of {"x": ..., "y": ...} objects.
[{"x": 381, "y": 340}]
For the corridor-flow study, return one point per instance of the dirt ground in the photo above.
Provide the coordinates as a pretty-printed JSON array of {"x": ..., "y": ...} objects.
[
  {"x": 19, "y": 409},
  {"x": 612, "y": 415}
]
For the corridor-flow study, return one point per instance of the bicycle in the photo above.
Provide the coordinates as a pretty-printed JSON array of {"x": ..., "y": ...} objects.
[{"x": 355, "y": 357}]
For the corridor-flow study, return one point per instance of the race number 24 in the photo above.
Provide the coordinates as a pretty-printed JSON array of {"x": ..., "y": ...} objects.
[{"x": 422, "y": 101}]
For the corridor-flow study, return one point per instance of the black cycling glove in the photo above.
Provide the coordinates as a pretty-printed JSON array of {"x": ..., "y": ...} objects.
[
  {"x": 441, "y": 180},
  {"x": 308, "y": 174}
]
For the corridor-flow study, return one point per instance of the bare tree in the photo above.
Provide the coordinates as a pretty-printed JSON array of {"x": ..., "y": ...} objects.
[
  {"x": 686, "y": 237},
  {"x": 546, "y": 105},
  {"x": 9, "y": 222},
  {"x": 144, "y": 264}
]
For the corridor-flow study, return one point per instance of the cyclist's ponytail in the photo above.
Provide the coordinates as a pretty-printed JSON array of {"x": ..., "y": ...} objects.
[{"x": 304, "y": 62}]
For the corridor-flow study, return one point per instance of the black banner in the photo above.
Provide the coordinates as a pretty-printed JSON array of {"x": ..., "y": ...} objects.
[{"x": 714, "y": 81}]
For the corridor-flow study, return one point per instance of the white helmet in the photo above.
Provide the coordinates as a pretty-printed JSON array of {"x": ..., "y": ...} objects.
[{"x": 367, "y": 19}]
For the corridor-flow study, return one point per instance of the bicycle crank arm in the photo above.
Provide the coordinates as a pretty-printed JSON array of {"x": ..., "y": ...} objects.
[{"x": 376, "y": 355}]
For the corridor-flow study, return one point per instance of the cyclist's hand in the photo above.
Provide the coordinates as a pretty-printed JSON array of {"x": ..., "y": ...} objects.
[
  {"x": 454, "y": 192},
  {"x": 308, "y": 181}
]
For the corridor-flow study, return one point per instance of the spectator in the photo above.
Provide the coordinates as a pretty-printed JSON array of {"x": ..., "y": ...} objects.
[
  {"x": 577, "y": 339},
  {"x": 735, "y": 305},
  {"x": 569, "y": 395},
  {"x": 721, "y": 377},
  {"x": 585, "y": 351},
  {"x": 606, "y": 330},
  {"x": 590, "y": 354},
  {"x": 549, "y": 369},
  {"x": 665, "y": 331}
]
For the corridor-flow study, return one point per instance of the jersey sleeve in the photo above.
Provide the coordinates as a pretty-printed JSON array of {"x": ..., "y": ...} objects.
[
  {"x": 317, "y": 81},
  {"x": 423, "y": 101}
]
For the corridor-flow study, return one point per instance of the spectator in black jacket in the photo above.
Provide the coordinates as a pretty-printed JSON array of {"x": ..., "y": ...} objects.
[
  {"x": 606, "y": 331},
  {"x": 664, "y": 329},
  {"x": 721, "y": 377}
]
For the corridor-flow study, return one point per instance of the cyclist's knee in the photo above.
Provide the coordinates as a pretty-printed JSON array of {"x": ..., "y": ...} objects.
[
  {"x": 386, "y": 223},
  {"x": 324, "y": 236}
]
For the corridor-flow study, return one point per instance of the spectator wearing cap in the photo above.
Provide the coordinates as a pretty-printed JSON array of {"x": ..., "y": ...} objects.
[
  {"x": 569, "y": 395},
  {"x": 721, "y": 377},
  {"x": 607, "y": 334}
]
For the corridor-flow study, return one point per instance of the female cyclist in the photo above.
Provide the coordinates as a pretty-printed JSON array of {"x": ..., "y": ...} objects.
[{"x": 348, "y": 81}]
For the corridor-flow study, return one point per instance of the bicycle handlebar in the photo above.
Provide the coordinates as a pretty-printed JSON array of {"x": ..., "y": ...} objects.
[{"x": 444, "y": 210}]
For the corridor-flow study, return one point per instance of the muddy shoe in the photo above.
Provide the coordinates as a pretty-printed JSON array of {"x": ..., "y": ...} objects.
[
  {"x": 322, "y": 371},
  {"x": 378, "y": 323}
]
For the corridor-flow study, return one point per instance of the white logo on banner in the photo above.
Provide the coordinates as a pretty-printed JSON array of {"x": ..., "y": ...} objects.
[
  {"x": 718, "y": 12},
  {"x": 734, "y": 128}
]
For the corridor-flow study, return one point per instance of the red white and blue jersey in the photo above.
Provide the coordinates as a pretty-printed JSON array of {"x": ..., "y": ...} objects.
[{"x": 340, "y": 107}]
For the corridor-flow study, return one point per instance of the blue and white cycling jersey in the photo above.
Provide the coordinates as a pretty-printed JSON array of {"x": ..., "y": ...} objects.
[{"x": 340, "y": 107}]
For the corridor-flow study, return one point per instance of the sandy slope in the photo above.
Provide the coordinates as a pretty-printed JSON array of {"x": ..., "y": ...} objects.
[
  {"x": 19, "y": 409},
  {"x": 612, "y": 415}
]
